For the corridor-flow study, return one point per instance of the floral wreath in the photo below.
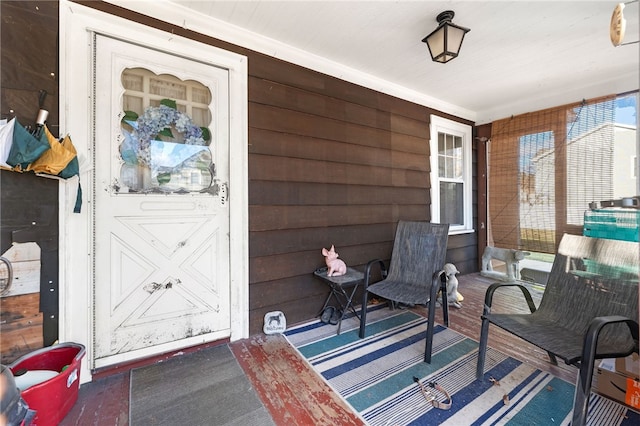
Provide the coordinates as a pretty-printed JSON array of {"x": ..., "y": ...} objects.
[{"x": 156, "y": 121}]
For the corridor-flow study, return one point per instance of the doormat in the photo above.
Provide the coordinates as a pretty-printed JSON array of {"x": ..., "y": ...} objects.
[
  {"x": 206, "y": 387},
  {"x": 375, "y": 376}
]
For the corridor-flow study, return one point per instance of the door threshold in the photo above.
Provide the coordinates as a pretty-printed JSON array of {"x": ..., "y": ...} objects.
[{"x": 125, "y": 367}]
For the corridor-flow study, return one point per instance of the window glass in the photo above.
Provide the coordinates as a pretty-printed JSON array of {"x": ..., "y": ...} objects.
[
  {"x": 165, "y": 144},
  {"x": 568, "y": 158},
  {"x": 451, "y": 203},
  {"x": 450, "y": 156}
]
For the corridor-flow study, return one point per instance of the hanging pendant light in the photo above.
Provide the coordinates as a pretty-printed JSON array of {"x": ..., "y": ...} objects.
[{"x": 445, "y": 41}]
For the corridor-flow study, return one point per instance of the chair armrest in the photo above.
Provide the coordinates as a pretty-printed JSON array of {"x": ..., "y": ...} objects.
[
  {"x": 596, "y": 326},
  {"x": 439, "y": 283},
  {"x": 488, "y": 297},
  {"x": 367, "y": 271},
  {"x": 585, "y": 375}
]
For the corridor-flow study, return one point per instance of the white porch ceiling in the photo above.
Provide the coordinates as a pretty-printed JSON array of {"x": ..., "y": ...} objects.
[{"x": 519, "y": 56}]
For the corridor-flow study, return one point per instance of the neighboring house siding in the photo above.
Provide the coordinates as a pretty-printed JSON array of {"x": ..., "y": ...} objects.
[
  {"x": 624, "y": 157},
  {"x": 330, "y": 162},
  {"x": 614, "y": 142}
]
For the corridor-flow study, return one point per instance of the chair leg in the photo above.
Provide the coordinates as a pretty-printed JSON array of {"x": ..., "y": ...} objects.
[
  {"x": 363, "y": 314},
  {"x": 431, "y": 319},
  {"x": 445, "y": 302},
  {"x": 365, "y": 293},
  {"x": 583, "y": 392},
  {"x": 583, "y": 384},
  {"x": 482, "y": 348}
]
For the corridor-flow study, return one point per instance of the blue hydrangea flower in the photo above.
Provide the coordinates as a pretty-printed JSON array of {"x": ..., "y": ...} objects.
[{"x": 154, "y": 120}]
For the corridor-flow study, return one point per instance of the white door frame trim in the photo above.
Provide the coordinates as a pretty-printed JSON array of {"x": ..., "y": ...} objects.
[{"x": 77, "y": 24}]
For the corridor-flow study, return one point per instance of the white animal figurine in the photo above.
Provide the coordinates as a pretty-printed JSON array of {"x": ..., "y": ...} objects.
[
  {"x": 335, "y": 266},
  {"x": 453, "y": 297},
  {"x": 510, "y": 257}
]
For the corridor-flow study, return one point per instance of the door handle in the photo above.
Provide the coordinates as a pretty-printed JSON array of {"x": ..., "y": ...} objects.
[{"x": 224, "y": 193}]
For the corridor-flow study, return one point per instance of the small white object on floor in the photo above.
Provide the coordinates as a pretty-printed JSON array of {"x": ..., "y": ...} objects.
[
  {"x": 453, "y": 297},
  {"x": 274, "y": 323},
  {"x": 510, "y": 257}
]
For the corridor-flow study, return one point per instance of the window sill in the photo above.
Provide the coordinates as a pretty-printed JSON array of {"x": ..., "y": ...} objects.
[{"x": 462, "y": 231}]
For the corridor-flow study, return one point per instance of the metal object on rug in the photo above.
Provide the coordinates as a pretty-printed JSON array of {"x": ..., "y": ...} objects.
[
  {"x": 274, "y": 323},
  {"x": 430, "y": 397}
]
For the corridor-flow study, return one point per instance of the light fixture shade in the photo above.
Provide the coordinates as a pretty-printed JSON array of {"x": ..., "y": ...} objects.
[{"x": 445, "y": 41}]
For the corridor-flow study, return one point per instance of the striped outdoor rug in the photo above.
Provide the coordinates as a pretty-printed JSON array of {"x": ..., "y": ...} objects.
[{"x": 375, "y": 376}]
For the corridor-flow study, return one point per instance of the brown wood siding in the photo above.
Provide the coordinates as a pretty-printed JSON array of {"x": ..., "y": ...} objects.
[
  {"x": 330, "y": 162},
  {"x": 29, "y": 204},
  {"x": 329, "y": 169},
  {"x": 29, "y": 60}
]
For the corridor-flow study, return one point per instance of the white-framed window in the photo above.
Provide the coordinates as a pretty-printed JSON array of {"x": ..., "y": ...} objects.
[{"x": 451, "y": 174}]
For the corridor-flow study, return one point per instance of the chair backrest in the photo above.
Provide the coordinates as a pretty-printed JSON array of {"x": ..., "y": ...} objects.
[
  {"x": 592, "y": 277},
  {"x": 419, "y": 250}
]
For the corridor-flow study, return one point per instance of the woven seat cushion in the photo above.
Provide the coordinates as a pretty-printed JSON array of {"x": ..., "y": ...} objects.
[
  {"x": 419, "y": 251},
  {"x": 589, "y": 278},
  {"x": 402, "y": 292},
  {"x": 561, "y": 341}
]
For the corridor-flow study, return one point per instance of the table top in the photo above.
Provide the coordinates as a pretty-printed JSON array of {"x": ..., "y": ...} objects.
[{"x": 351, "y": 277}]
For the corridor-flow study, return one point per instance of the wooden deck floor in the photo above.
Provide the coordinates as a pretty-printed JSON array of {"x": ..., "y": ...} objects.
[{"x": 292, "y": 392}]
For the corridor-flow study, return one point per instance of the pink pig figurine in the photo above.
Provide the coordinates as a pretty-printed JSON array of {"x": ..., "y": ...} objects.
[{"x": 335, "y": 266}]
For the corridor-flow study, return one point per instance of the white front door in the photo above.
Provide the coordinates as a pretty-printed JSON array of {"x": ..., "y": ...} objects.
[{"x": 161, "y": 254}]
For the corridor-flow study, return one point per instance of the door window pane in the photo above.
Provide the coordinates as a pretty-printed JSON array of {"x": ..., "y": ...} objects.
[{"x": 165, "y": 144}]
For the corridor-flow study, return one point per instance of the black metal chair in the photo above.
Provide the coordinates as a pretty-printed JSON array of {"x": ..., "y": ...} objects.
[
  {"x": 415, "y": 273},
  {"x": 588, "y": 310}
]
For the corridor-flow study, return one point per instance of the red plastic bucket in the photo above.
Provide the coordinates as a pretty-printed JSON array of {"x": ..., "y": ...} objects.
[{"x": 53, "y": 398}]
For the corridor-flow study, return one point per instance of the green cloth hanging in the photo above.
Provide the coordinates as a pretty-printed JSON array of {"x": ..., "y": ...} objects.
[{"x": 25, "y": 148}]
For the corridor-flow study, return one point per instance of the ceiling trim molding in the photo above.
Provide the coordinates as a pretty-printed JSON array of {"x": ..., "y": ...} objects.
[{"x": 188, "y": 19}]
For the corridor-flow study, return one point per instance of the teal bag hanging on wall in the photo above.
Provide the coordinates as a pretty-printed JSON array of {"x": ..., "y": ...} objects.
[{"x": 25, "y": 148}]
